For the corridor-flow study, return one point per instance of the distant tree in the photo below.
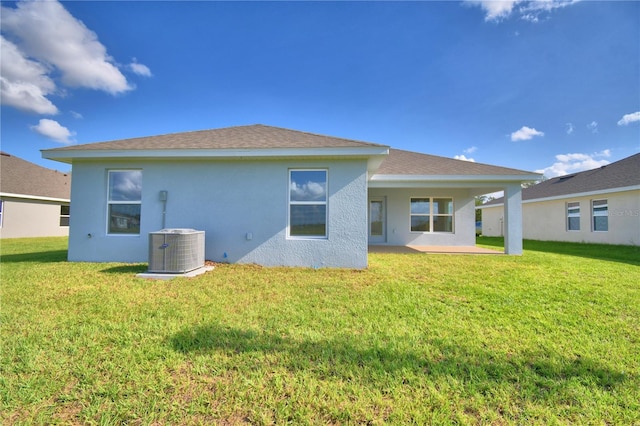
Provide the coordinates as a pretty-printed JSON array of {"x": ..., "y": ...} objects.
[
  {"x": 530, "y": 184},
  {"x": 480, "y": 200}
]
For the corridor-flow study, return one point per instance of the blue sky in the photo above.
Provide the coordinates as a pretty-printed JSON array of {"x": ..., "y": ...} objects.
[{"x": 549, "y": 86}]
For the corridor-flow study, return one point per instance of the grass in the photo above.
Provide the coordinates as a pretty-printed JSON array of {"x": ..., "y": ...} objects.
[{"x": 550, "y": 337}]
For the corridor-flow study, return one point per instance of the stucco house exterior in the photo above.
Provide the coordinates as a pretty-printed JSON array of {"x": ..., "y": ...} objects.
[
  {"x": 275, "y": 196},
  {"x": 34, "y": 200},
  {"x": 595, "y": 206}
]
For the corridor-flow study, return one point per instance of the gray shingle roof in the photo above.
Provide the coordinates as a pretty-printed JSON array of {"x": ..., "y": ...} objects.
[
  {"x": 413, "y": 163},
  {"x": 18, "y": 176},
  {"x": 258, "y": 136},
  {"x": 620, "y": 174},
  {"x": 255, "y": 136}
]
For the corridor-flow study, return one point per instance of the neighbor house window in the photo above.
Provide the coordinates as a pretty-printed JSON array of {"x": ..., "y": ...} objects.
[
  {"x": 573, "y": 216},
  {"x": 124, "y": 200},
  {"x": 431, "y": 214},
  {"x": 600, "y": 215},
  {"x": 308, "y": 203},
  {"x": 64, "y": 215}
]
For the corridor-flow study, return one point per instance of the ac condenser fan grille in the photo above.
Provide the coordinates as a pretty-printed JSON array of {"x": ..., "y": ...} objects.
[{"x": 176, "y": 250}]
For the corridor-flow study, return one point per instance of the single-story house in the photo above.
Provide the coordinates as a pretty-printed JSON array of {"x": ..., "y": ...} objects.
[
  {"x": 275, "y": 196},
  {"x": 595, "y": 206},
  {"x": 34, "y": 200}
]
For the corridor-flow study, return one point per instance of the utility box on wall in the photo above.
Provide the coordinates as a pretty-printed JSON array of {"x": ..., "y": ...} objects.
[{"x": 176, "y": 250}]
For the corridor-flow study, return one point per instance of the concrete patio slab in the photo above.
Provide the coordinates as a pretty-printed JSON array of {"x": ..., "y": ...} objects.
[
  {"x": 190, "y": 274},
  {"x": 433, "y": 249}
]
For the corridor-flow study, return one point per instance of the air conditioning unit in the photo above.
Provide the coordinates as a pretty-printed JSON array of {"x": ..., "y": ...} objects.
[{"x": 176, "y": 250}]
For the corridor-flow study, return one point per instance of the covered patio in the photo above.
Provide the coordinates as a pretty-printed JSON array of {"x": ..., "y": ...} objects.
[{"x": 420, "y": 203}]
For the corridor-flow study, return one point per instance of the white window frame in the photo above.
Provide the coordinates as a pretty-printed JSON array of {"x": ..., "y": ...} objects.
[
  {"x": 126, "y": 202},
  {"x": 573, "y": 211},
  {"x": 433, "y": 214},
  {"x": 67, "y": 216},
  {"x": 1, "y": 212},
  {"x": 599, "y": 213},
  {"x": 324, "y": 203}
]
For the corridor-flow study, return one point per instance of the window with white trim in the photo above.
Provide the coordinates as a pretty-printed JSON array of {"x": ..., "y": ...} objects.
[
  {"x": 600, "y": 215},
  {"x": 124, "y": 201},
  {"x": 429, "y": 214},
  {"x": 308, "y": 203},
  {"x": 1, "y": 210},
  {"x": 573, "y": 216}
]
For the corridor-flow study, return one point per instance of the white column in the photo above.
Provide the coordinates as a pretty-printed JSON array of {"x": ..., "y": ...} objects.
[{"x": 513, "y": 219}]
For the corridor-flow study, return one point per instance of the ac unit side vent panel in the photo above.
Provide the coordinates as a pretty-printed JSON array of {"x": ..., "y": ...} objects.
[{"x": 176, "y": 250}]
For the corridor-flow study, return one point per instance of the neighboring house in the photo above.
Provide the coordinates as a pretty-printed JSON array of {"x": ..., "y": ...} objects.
[
  {"x": 274, "y": 196},
  {"x": 596, "y": 206},
  {"x": 34, "y": 201}
]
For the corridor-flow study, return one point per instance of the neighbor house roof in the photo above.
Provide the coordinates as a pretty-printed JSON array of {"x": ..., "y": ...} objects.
[
  {"x": 27, "y": 180},
  {"x": 624, "y": 173}
]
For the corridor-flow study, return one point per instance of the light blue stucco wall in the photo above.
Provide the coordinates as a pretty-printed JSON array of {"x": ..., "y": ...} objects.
[
  {"x": 398, "y": 205},
  {"x": 228, "y": 200}
]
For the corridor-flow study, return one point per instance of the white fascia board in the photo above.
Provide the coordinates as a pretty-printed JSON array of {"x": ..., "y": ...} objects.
[
  {"x": 437, "y": 181},
  {"x": 68, "y": 156},
  {"x": 585, "y": 194},
  {"x": 571, "y": 196},
  {"x": 33, "y": 197}
]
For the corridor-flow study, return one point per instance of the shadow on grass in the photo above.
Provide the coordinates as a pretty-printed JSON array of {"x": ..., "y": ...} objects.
[
  {"x": 38, "y": 257},
  {"x": 126, "y": 269},
  {"x": 543, "y": 373},
  {"x": 609, "y": 252}
]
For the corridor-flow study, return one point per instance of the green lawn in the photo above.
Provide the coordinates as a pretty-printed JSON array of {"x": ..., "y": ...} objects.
[{"x": 550, "y": 337}]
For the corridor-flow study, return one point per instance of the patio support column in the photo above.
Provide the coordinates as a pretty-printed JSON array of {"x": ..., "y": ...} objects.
[{"x": 513, "y": 219}]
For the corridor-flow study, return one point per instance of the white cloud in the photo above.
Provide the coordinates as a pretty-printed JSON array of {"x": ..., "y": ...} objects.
[
  {"x": 76, "y": 115},
  {"x": 470, "y": 150},
  {"x": 140, "y": 69},
  {"x": 629, "y": 118},
  {"x": 49, "y": 33},
  {"x": 464, "y": 158},
  {"x": 495, "y": 10},
  {"x": 576, "y": 162},
  {"x": 127, "y": 186},
  {"x": 529, "y": 10},
  {"x": 24, "y": 83},
  {"x": 525, "y": 133},
  {"x": 308, "y": 191},
  {"x": 41, "y": 39},
  {"x": 531, "y": 17},
  {"x": 570, "y": 128},
  {"x": 53, "y": 130},
  {"x": 593, "y": 127}
]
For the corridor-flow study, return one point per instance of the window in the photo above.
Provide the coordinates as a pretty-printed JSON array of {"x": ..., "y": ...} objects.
[
  {"x": 420, "y": 215},
  {"x": 573, "y": 216},
  {"x": 431, "y": 215},
  {"x": 1, "y": 208},
  {"x": 64, "y": 215},
  {"x": 124, "y": 201},
  {"x": 308, "y": 203},
  {"x": 600, "y": 214}
]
